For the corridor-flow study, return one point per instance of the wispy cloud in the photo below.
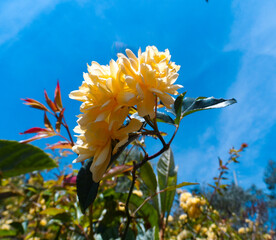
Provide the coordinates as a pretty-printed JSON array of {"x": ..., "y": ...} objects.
[
  {"x": 17, "y": 14},
  {"x": 253, "y": 33}
]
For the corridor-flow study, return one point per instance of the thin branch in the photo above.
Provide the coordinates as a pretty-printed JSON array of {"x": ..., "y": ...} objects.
[
  {"x": 68, "y": 131},
  {"x": 136, "y": 166},
  {"x": 127, "y": 154},
  {"x": 129, "y": 217},
  {"x": 91, "y": 234}
]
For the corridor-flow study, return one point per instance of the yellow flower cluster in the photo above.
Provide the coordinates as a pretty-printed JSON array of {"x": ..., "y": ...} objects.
[
  {"x": 191, "y": 205},
  {"x": 109, "y": 93}
]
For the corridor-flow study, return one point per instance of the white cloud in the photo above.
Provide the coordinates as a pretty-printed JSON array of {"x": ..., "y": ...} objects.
[
  {"x": 17, "y": 14},
  {"x": 254, "y": 34}
]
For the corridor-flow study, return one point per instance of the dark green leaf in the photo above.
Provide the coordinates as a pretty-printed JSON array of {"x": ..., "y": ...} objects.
[
  {"x": 191, "y": 105},
  {"x": 63, "y": 217},
  {"x": 167, "y": 177},
  {"x": 18, "y": 226},
  {"x": 148, "y": 176},
  {"x": 17, "y": 158},
  {"x": 163, "y": 117},
  {"x": 177, "y": 107},
  {"x": 87, "y": 189}
]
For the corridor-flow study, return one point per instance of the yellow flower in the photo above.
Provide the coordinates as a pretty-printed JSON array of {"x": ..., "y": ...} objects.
[
  {"x": 43, "y": 222},
  {"x": 267, "y": 236},
  {"x": 139, "y": 193},
  {"x": 197, "y": 228},
  {"x": 184, "y": 235},
  {"x": 96, "y": 142},
  {"x": 5, "y": 227},
  {"x": 183, "y": 217},
  {"x": 150, "y": 75},
  {"x": 242, "y": 230},
  {"x": 121, "y": 207},
  {"x": 103, "y": 91},
  {"x": 170, "y": 218},
  {"x": 185, "y": 196}
]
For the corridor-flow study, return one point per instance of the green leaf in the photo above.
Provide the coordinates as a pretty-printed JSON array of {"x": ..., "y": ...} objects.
[
  {"x": 191, "y": 105},
  {"x": 7, "y": 233},
  {"x": 177, "y": 106},
  {"x": 147, "y": 211},
  {"x": 52, "y": 211},
  {"x": 148, "y": 176},
  {"x": 163, "y": 117},
  {"x": 18, "y": 158},
  {"x": 87, "y": 189},
  {"x": 167, "y": 177},
  {"x": 18, "y": 227},
  {"x": 148, "y": 235},
  {"x": 183, "y": 184}
]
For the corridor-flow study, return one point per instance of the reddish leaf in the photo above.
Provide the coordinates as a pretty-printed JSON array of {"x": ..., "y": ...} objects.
[
  {"x": 72, "y": 180},
  {"x": 224, "y": 167},
  {"x": 60, "y": 145},
  {"x": 47, "y": 122},
  {"x": 59, "y": 120},
  {"x": 58, "y": 97},
  {"x": 35, "y": 104},
  {"x": 38, "y": 136},
  {"x": 35, "y": 130},
  {"x": 116, "y": 171},
  {"x": 50, "y": 103},
  {"x": 220, "y": 162},
  {"x": 244, "y": 145}
]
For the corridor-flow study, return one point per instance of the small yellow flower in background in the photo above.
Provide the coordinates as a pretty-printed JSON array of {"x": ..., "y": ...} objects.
[
  {"x": 183, "y": 217},
  {"x": 170, "y": 218},
  {"x": 267, "y": 237},
  {"x": 43, "y": 222},
  {"x": 242, "y": 230},
  {"x": 250, "y": 223},
  {"x": 139, "y": 193},
  {"x": 185, "y": 196},
  {"x": 211, "y": 235},
  {"x": 5, "y": 213},
  {"x": 42, "y": 201},
  {"x": 121, "y": 207},
  {"x": 216, "y": 212},
  {"x": 5, "y": 227},
  {"x": 9, "y": 206},
  {"x": 31, "y": 211},
  {"x": 204, "y": 230},
  {"x": 197, "y": 228},
  {"x": 184, "y": 235}
]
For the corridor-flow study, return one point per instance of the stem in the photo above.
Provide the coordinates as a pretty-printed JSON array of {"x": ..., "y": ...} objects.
[
  {"x": 91, "y": 234},
  {"x": 127, "y": 154},
  {"x": 58, "y": 134},
  {"x": 136, "y": 166},
  {"x": 129, "y": 217},
  {"x": 68, "y": 131}
]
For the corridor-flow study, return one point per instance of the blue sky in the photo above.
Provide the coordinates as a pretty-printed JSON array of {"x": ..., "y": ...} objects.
[{"x": 225, "y": 49}]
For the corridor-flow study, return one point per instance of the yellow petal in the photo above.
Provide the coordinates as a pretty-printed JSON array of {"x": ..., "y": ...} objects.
[{"x": 100, "y": 162}]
